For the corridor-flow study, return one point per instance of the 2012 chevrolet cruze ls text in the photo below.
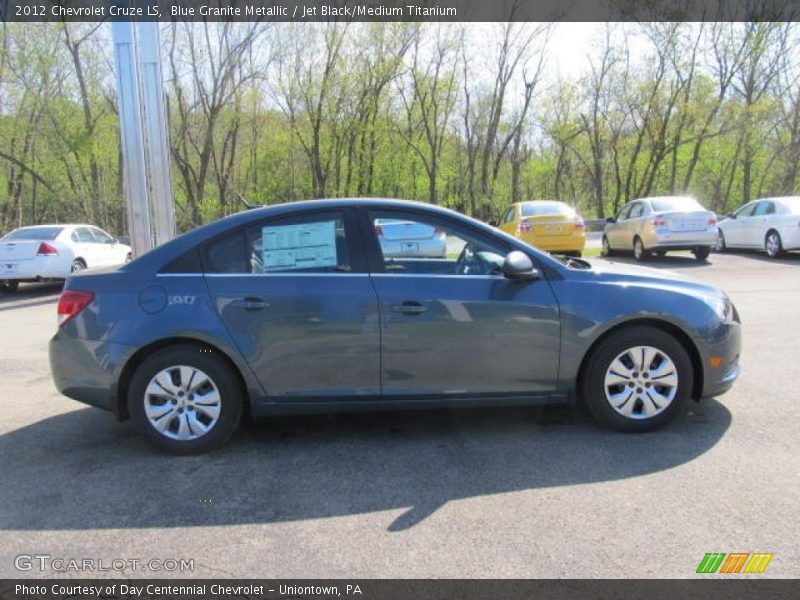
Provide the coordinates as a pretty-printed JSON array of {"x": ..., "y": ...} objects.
[{"x": 294, "y": 308}]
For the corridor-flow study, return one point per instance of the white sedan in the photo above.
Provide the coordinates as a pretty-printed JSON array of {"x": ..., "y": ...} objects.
[
  {"x": 770, "y": 224},
  {"x": 46, "y": 252}
]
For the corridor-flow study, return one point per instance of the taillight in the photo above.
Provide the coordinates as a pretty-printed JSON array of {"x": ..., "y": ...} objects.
[
  {"x": 71, "y": 302},
  {"x": 439, "y": 232},
  {"x": 659, "y": 221},
  {"x": 712, "y": 220},
  {"x": 378, "y": 230},
  {"x": 46, "y": 249},
  {"x": 524, "y": 226},
  {"x": 579, "y": 223}
]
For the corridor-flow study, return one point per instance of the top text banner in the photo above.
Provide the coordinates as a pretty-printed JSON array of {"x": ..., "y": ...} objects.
[{"x": 402, "y": 10}]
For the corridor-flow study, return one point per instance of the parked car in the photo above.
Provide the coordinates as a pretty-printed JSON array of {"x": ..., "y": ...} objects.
[
  {"x": 656, "y": 225},
  {"x": 549, "y": 225},
  {"x": 400, "y": 238},
  {"x": 51, "y": 252},
  {"x": 770, "y": 224},
  {"x": 295, "y": 308}
]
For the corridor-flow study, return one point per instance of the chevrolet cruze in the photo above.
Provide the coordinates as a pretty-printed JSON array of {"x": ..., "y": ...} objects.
[{"x": 296, "y": 308}]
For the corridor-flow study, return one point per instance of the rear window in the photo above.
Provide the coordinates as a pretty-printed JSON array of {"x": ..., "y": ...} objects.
[
  {"x": 538, "y": 209},
  {"x": 674, "y": 204},
  {"x": 34, "y": 233}
]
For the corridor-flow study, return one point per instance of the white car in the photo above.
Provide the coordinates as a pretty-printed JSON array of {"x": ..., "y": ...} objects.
[
  {"x": 770, "y": 224},
  {"x": 45, "y": 252}
]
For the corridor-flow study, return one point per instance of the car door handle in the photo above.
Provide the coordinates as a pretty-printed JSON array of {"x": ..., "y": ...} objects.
[
  {"x": 250, "y": 303},
  {"x": 409, "y": 308}
]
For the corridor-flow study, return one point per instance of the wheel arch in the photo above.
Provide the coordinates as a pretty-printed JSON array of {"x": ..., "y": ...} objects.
[
  {"x": 666, "y": 326},
  {"x": 121, "y": 409}
]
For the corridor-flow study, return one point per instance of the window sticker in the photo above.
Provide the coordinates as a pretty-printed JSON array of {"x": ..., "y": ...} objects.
[{"x": 305, "y": 246}]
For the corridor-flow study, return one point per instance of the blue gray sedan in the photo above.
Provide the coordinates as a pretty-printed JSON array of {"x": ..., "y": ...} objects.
[{"x": 296, "y": 308}]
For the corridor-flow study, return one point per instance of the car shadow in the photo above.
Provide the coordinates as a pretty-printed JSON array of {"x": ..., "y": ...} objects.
[
  {"x": 32, "y": 294},
  {"x": 788, "y": 258},
  {"x": 80, "y": 470},
  {"x": 668, "y": 261}
]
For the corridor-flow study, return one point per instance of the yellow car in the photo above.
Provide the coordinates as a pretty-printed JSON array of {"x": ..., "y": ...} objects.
[{"x": 549, "y": 225}]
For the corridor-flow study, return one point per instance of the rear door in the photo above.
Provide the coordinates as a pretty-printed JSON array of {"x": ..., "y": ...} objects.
[
  {"x": 455, "y": 326},
  {"x": 759, "y": 224},
  {"x": 295, "y": 296},
  {"x": 106, "y": 249}
]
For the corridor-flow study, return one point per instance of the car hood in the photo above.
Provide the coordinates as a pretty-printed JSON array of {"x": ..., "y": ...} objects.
[{"x": 619, "y": 272}]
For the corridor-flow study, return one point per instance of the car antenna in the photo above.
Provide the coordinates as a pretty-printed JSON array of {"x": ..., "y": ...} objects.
[{"x": 247, "y": 205}]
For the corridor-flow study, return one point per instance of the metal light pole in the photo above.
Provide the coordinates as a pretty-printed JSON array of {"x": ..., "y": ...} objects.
[
  {"x": 144, "y": 134},
  {"x": 156, "y": 130},
  {"x": 131, "y": 137}
]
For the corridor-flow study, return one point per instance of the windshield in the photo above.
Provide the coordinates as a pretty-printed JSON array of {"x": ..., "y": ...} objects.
[
  {"x": 675, "y": 204},
  {"x": 33, "y": 233},
  {"x": 537, "y": 209}
]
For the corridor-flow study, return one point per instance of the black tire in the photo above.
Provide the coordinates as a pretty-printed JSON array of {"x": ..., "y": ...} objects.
[
  {"x": 660, "y": 253},
  {"x": 592, "y": 385},
  {"x": 721, "y": 246},
  {"x": 219, "y": 372},
  {"x": 773, "y": 244},
  {"x": 77, "y": 265},
  {"x": 701, "y": 252},
  {"x": 9, "y": 286},
  {"x": 640, "y": 253},
  {"x": 606, "y": 249}
]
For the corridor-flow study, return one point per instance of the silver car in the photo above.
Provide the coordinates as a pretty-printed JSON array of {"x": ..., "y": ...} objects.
[
  {"x": 655, "y": 225},
  {"x": 410, "y": 239}
]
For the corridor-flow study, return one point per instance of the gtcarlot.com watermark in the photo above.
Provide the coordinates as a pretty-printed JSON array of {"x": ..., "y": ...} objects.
[{"x": 61, "y": 564}]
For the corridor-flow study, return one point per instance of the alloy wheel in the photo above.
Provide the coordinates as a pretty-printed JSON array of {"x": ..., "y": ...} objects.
[
  {"x": 182, "y": 403},
  {"x": 641, "y": 382},
  {"x": 773, "y": 244}
]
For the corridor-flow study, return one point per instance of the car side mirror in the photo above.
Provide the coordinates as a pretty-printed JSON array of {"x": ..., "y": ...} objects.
[
  {"x": 519, "y": 266},
  {"x": 730, "y": 216},
  {"x": 493, "y": 223},
  {"x": 114, "y": 241},
  {"x": 611, "y": 220}
]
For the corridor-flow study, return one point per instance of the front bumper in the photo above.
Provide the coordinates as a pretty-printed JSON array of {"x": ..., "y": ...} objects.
[
  {"x": 720, "y": 359},
  {"x": 86, "y": 370}
]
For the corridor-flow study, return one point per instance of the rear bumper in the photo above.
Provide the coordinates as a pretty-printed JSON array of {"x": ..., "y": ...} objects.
[
  {"x": 566, "y": 243},
  {"x": 34, "y": 269},
  {"x": 87, "y": 371},
  {"x": 679, "y": 240}
]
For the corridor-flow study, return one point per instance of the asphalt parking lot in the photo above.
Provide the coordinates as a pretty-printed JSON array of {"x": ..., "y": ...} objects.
[{"x": 489, "y": 493}]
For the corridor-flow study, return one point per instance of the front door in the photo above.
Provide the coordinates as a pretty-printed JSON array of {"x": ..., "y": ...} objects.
[
  {"x": 295, "y": 296},
  {"x": 452, "y": 324}
]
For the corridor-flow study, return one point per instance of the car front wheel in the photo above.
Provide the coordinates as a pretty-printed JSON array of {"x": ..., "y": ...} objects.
[
  {"x": 186, "y": 399},
  {"x": 639, "y": 252},
  {"x": 638, "y": 379},
  {"x": 606, "y": 248},
  {"x": 773, "y": 244}
]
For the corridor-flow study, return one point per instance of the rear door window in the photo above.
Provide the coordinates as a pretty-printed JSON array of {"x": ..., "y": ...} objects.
[{"x": 309, "y": 243}]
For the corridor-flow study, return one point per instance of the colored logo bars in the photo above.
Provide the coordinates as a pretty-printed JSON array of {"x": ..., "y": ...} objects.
[{"x": 735, "y": 562}]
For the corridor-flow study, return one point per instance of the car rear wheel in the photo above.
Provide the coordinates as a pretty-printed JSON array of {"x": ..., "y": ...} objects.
[
  {"x": 638, "y": 379},
  {"x": 773, "y": 244},
  {"x": 186, "y": 399},
  {"x": 701, "y": 253},
  {"x": 606, "y": 248},
  {"x": 639, "y": 252},
  {"x": 8, "y": 286}
]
